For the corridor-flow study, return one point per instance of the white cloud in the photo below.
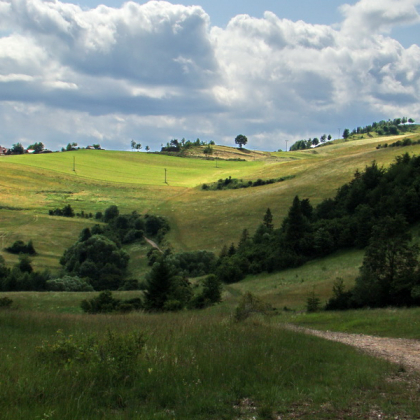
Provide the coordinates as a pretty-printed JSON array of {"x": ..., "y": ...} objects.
[
  {"x": 160, "y": 70},
  {"x": 369, "y": 17}
]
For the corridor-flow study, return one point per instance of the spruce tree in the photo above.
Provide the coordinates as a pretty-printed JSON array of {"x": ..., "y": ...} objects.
[
  {"x": 268, "y": 220},
  {"x": 231, "y": 250},
  {"x": 159, "y": 284},
  {"x": 212, "y": 289},
  {"x": 295, "y": 225},
  {"x": 244, "y": 241}
]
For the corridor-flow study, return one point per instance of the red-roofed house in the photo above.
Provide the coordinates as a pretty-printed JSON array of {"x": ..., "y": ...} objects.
[{"x": 3, "y": 150}]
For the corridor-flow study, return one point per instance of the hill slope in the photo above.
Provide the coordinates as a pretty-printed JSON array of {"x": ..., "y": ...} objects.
[{"x": 31, "y": 185}]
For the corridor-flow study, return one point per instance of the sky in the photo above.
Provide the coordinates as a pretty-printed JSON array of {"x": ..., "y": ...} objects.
[{"x": 109, "y": 72}]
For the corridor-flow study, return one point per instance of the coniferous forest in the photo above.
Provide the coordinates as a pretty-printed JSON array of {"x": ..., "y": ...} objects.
[{"x": 376, "y": 206}]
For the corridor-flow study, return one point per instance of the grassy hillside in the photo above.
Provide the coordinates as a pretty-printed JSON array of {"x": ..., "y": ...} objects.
[
  {"x": 33, "y": 184},
  {"x": 192, "y": 364}
]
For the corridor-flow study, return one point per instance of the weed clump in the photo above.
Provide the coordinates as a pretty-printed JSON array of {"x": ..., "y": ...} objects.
[
  {"x": 5, "y": 302},
  {"x": 112, "y": 357},
  {"x": 251, "y": 304}
]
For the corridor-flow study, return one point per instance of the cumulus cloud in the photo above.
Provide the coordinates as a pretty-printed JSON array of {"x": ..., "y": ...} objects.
[
  {"x": 161, "y": 70},
  {"x": 368, "y": 17}
]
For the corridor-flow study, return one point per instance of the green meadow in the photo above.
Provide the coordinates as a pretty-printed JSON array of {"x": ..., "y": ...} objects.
[{"x": 59, "y": 363}]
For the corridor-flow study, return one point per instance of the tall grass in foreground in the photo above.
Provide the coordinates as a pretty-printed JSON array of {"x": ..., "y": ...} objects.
[{"x": 190, "y": 367}]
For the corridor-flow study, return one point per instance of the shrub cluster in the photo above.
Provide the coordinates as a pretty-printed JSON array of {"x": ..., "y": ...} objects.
[
  {"x": 390, "y": 127},
  {"x": 22, "y": 277},
  {"x": 127, "y": 228},
  {"x": 66, "y": 211},
  {"x": 166, "y": 290},
  {"x": 106, "y": 303},
  {"x": 95, "y": 262},
  {"x": 188, "y": 264},
  {"x": 399, "y": 143},
  {"x": 251, "y": 304},
  {"x": 234, "y": 183},
  {"x": 98, "y": 255},
  {"x": 19, "y": 247},
  {"x": 69, "y": 284},
  {"x": 98, "y": 258},
  {"x": 307, "y": 144},
  {"x": 179, "y": 146}
]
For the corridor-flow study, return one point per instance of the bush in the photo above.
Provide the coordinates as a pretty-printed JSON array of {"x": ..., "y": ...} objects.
[
  {"x": 5, "y": 302},
  {"x": 164, "y": 289},
  {"x": 132, "y": 235},
  {"x": 212, "y": 289},
  {"x": 111, "y": 213},
  {"x": 341, "y": 298},
  {"x": 98, "y": 258},
  {"x": 234, "y": 183},
  {"x": 69, "y": 284},
  {"x": 211, "y": 293},
  {"x": 193, "y": 263},
  {"x": 130, "y": 284},
  {"x": 19, "y": 247},
  {"x": 251, "y": 304},
  {"x": 313, "y": 303},
  {"x": 66, "y": 211},
  {"x": 173, "y": 305},
  {"x": 230, "y": 271},
  {"x": 155, "y": 224},
  {"x": 105, "y": 303}
]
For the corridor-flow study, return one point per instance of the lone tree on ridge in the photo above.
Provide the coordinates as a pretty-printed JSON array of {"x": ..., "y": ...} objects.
[{"x": 241, "y": 140}]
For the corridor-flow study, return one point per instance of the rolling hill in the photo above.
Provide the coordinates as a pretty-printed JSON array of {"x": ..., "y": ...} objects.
[
  {"x": 33, "y": 184},
  {"x": 60, "y": 363}
]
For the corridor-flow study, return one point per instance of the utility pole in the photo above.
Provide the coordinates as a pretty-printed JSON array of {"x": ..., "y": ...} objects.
[
  {"x": 3, "y": 237},
  {"x": 165, "y": 176}
]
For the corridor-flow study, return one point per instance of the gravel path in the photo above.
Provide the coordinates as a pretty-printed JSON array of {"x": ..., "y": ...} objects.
[
  {"x": 153, "y": 244},
  {"x": 397, "y": 350}
]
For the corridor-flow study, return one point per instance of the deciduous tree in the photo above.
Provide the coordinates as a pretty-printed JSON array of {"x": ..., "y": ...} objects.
[
  {"x": 241, "y": 140},
  {"x": 390, "y": 269},
  {"x": 17, "y": 149}
]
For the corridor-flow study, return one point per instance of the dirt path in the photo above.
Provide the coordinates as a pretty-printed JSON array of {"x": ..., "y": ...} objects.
[
  {"x": 153, "y": 244},
  {"x": 397, "y": 350}
]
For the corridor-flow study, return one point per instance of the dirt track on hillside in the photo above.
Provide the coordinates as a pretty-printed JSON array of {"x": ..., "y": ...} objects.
[
  {"x": 153, "y": 244},
  {"x": 401, "y": 351}
]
